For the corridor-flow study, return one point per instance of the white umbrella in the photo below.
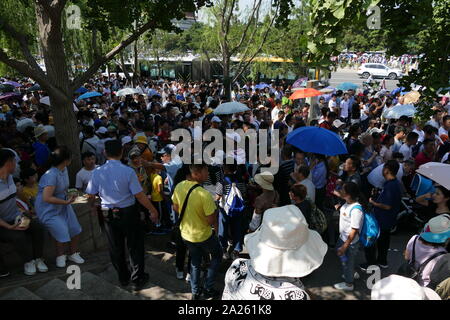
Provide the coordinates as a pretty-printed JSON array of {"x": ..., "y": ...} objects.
[
  {"x": 438, "y": 172},
  {"x": 230, "y": 108},
  {"x": 376, "y": 178},
  {"x": 401, "y": 110},
  {"x": 46, "y": 100},
  {"x": 327, "y": 90},
  {"x": 128, "y": 91}
]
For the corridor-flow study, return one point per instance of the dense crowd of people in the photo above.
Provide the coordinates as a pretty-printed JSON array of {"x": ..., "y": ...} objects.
[{"x": 286, "y": 221}]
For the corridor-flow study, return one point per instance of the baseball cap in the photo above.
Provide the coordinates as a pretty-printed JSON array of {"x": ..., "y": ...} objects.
[
  {"x": 216, "y": 119},
  {"x": 167, "y": 149},
  {"x": 102, "y": 130},
  {"x": 126, "y": 139},
  {"x": 338, "y": 123}
]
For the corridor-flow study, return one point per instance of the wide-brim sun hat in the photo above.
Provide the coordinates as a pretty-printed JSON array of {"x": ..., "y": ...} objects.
[
  {"x": 283, "y": 246},
  {"x": 437, "y": 230},
  {"x": 265, "y": 180},
  {"x": 396, "y": 287}
]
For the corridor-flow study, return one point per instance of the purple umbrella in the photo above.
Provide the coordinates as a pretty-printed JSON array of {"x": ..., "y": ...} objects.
[
  {"x": 10, "y": 95},
  {"x": 13, "y": 83},
  {"x": 299, "y": 83}
]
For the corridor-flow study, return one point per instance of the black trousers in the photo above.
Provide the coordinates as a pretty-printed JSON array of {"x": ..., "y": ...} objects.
[
  {"x": 126, "y": 235},
  {"x": 320, "y": 197},
  {"x": 29, "y": 244},
  {"x": 181, "y": 251},
  {"x": 377, "y": 254}
]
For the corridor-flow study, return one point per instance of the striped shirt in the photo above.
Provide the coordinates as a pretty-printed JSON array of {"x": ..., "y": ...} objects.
[
  {"x": 8, "y": 206},
  {"x": 223, "y": 188}
]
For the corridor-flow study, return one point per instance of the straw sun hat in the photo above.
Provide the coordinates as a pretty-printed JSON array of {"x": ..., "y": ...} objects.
[{"x": 265, "y": 180}]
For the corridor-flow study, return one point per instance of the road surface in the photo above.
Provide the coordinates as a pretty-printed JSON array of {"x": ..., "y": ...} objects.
[{"x": 350, "y": 75}]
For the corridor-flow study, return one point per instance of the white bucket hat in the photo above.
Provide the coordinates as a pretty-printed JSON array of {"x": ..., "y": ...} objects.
[
  {"x": 396, "y": 287},
  {"x": 265, "y": 180},
  {"x": 283, "y": 246}
]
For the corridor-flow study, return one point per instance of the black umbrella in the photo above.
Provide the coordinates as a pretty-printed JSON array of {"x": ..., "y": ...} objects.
[
  {"x": 35, "y": 87},
  {"x": 6, "y": 87}
]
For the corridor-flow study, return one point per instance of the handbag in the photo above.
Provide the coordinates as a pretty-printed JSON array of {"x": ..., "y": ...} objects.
[
  {"x": 176, "y": 228},
  {"x": 318, "y": 219}
]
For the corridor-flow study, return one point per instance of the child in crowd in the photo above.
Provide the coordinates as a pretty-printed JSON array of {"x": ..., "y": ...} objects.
[
  {"x": 158, "y": 201},
  {"x": 30, "y": 186},
  {"x": 22, "y": 202},
  {"x": 135, "y": 162},
  {"x": 84, "y": 175}
]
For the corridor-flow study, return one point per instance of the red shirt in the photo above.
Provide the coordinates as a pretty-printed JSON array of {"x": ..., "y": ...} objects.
[
  {"x": 421, "y": 159},
  {"x": 325, "y": 125}
]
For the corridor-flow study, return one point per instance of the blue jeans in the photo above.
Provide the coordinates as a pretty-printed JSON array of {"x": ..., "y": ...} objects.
[
  {"x": 348, "y": 267},
  {"x": 237, "y": 235},
  {"x": 198, "y": 250}
]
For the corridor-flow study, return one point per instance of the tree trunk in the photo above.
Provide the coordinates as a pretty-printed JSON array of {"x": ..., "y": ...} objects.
[
  {"x": 50, "y": 34},
  {"x": 136, "y": 64},
  {"x": 226, "y": 77}
]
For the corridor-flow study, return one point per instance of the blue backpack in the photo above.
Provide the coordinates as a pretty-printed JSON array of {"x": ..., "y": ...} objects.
[
  {"x": 233, "y": 204},
  {"x": 370, "y": 230}
]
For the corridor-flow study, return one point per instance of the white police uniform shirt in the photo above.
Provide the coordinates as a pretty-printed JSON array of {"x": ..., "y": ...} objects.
[{"x": 115, "y": 183}]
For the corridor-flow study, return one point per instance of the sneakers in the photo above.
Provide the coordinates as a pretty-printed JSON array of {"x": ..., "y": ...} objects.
[
  {"x": 30, "y": 268},
  {"x": 188, "y": 278},
  {"x": 76, "y": 258},
  {"x": 355, "y": 276},
  {"x": 4, "y": 273},
  {"x": 211, "y": 294},
  {"x": 180, "y": 274},
  {"x": 195, "y": 296},
  {"x": 61, "y": 261},
  {"x": 40, "y": 265},
  {"x": 343, "y": 286},
  {"x": 140, "y": 284}
]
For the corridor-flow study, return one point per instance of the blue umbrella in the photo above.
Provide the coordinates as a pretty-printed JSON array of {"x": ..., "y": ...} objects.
[
  {"x": 88, "y": 95},
  {"x": 262, "y": 86},
  {"x": 347, "y": 86},
  {"x": 401, "y": 110},
  {"x": 230, "y": 108},
  {"x": 317, "y": 140},
  {"x": 81, "y": 90},
  {"x": 397, "y": 90}
]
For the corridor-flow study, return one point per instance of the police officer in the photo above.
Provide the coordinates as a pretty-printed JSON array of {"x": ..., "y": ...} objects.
[{"x": 118, "y": 188}]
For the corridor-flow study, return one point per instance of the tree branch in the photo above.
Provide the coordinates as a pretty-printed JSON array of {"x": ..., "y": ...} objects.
[
  {"x": 243, "y": 66},
  {"x": 256, "y": 8},
  {"x": 78, "y": 81},
  {"x": 228, "y": 22},
  {"x": 222, "y": 16},
  {"x": 22, "y": 39},
  {"x": 26, "y": 70}
]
